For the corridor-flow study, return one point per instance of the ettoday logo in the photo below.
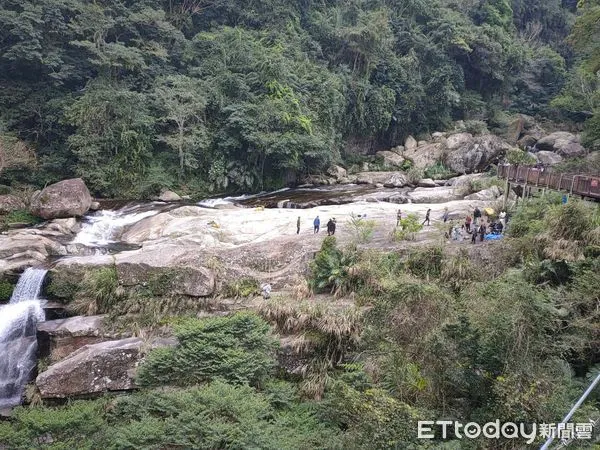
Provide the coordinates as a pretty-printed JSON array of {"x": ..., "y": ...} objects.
[{"x": 449, "y": 429}]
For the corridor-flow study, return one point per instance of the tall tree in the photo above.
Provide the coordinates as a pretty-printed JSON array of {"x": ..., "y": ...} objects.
[{"x": 182, "y": 102}]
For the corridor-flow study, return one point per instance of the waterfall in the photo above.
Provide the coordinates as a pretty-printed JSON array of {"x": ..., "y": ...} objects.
[
  {"x": 18, "y": 343},
  {"x": 29, "y": 285}
]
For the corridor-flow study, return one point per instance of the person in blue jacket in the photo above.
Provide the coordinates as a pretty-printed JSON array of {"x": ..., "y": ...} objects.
[{"x": 317, "y": 224}]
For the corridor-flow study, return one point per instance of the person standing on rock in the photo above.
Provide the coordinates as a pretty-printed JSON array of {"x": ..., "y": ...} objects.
[
  {"x": 398, "y": 217},
  {"x": 474, "y": 235},
  {"x": 427, "y": 214},
  {"x": 329, "y": 227},
  {"x": 481, "y": 232},
  {"x": 446, "y": 214},
  {"x": 317, "y": 224},
  {"x": 502, "y": 217},
  {"x": 468, "y": 223},
  {"x": 298, "y": 225},
  {"x": 333, "y": 225}
]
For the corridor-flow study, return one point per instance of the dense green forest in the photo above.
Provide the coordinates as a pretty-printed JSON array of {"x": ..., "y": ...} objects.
[{"x": 221, "y": 95}]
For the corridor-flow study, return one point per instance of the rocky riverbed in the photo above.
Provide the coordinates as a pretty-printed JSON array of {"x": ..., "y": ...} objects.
[{"x": 197, "y": 251}]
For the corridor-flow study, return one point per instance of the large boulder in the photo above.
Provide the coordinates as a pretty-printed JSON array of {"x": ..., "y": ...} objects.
[
  {"x": 441, "y": 194},
  {"x": 163, "y": 268},
  {"x": 68, "y": 198},
  {"x": 387, "y": 179},
  {"x": 60, "y": 338},
  {"x": 410, "y": 143},
  {"x": 491, "y": 193},
  {"x": 20, "y": 250},
  {"x": 426, "y": 155},
  {"x": 178, "y": 279},
  {"x": 561, "y": 142},
  {"x": 337, "y": 172},
  {"x": 390, "y": 159},
  {"x": 527, "y": 142},
  {"x": 474, "y": 154},
  {"x": 548, "y": 158},
  {"x": 515, "y": 129},
  {"x": 427, "y": 182},
  {"x": 169, "y": 196},
  {"x": 96, "y": 368},
  {"x": 465, "y": 180},
  {"x": 9, "y": 203},
  {"x": 458, "y": 140}
]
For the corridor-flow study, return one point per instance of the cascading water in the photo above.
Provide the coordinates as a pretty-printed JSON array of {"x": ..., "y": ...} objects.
[
  {"x": 104, "y": 227},
  {"x": 18, "y": 343}
]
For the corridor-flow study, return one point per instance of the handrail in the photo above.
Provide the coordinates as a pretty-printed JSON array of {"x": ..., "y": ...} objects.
[{"x": 576, "y": 184}]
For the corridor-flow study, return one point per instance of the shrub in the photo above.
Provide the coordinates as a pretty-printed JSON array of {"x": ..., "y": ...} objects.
[
  {"x": 415, "y": 174},
  {"x": 331, "y": 268},
  {"x": 409, "y": 227},
  {"x": 6, "y": 290},
  {"x": 361, "y": 229},
  {"x": 243, "y": 287},
  {"x": 238, "y": 349},
  {"x": 74, "y": 426},
  {"x": 20, "y": 216},
  {"x": 425, "y": 262},
  {"x": 438, "y": 172},
  {"x": 372, "y": 418},
  {"x": 519, "y": 157},
  {"x": 476, "y": 127}
]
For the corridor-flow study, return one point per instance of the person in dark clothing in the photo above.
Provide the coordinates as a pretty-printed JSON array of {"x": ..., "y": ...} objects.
[
  {"x": 398, "y": 217},
  {"x": 317, "y": 224},
  {"x": 427, "y": 214},
  {"x": 330, "y": 227},
  {"x": 333, "y": 227},
  {"x": 481, "y": 232},
  {"x": 476, "y": 215},
  {"x": 298, "y": 225},
  {"x": 446, "y": 215},
  {"x": 474, "y": 236}
]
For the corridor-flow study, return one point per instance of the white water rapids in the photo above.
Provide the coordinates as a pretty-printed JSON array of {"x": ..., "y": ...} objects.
[
  {"x": 104, "y": 227},
  {"x": 18, "y": 343}
]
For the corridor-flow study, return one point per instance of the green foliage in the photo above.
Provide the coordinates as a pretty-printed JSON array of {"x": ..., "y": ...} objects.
[
  {"x": 237, "y": 349},
  {"x": 409, "y": 227},
  {"x": 216, "y": 415},
  {"x": 331, "y": 268},
  {"x": 243, "y": 287},
  {"x": 361, "y": 229},
  {"x": 519, "y": 157},
  {"x": 22, "y": 217},
  {"x": 98, "y": 293},
  {"x": 425, "y": 262},
  {"x": 203, "y": 96},
  {"x": 70, "y": 426},
  {"x": 438, "y": 172},
  {"x": 6, "y": 290},
  {"x": 372, "y": 418}
]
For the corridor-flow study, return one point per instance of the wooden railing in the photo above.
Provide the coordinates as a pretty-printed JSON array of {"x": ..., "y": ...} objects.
[{"x": 584, "y": 185}]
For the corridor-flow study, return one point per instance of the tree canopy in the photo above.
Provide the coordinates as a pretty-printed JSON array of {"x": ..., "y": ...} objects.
[{"x": 229, "y": 95}]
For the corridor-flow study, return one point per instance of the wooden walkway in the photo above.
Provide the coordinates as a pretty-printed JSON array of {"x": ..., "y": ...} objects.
[{"x": 545, "y": 178}]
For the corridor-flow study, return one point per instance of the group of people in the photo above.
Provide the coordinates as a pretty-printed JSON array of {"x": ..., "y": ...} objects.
[
  {"x": 481, "y": 225},
  {"x": 331, "y": 224}
]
